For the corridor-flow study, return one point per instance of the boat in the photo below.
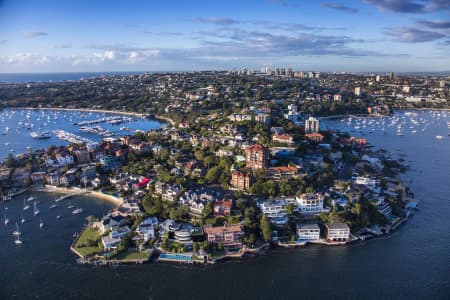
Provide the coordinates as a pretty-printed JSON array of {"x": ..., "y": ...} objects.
[
  {"x": 30, "y": 199},
  {"x": 439, "y": 137},
  {"x": 58, "y": 217},
  {"x": 36, "y": 210},
  {"x": 18, "y": 241},
  {"x": 77, "y": 211},
  {"x": 53, "y": 206},
  {"x": 22, "y": 220},
  {"x": 25, "y": 205},
  {"x": 41, "y": 224},
  {"x": 6, "y": 221},
  {"x": 70, "y": 205},
  {"x": 40, "y": 135},
  {"x": 17, "y": 231}
]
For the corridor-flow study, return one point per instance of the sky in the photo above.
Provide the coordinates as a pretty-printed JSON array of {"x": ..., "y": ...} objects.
[{"x": 328, "y": 36}]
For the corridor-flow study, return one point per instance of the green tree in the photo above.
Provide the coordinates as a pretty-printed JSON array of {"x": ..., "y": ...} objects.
[{"x": 266, "y": 228}]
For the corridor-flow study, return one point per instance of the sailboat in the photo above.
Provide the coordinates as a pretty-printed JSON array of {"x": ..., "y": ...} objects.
[
  {"x": 53, "y": 206},
  {"x": 36, "y": 210},
  {"x": 30, "y": 199},
  {"x": 41, "y": 224},
  {"x": 17, "y": 231},
  {"x": 70, "y": 205},
  {"x": 25, "y": 205},
  {"x": 18, "y": 241},
  {"x": 22, "y": 220},
  {"x": 6, "y": 220}
]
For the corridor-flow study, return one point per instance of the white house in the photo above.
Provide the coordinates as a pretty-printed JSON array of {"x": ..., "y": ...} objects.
[
  {"x": 308, "y": 232},
  {"x": 275, "y": 210},
  {"x": 310, "y": 203},
  {"x": 338, "y": 232}
]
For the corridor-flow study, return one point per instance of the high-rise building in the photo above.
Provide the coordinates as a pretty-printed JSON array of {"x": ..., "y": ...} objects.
[
  {"x": 312, "y": 125},
  {"x": 442, "y": 83},
  {"x": 377, "y": 78},
  {"x": 357, "y": 91},
  {"x": 256, "y": 157}
]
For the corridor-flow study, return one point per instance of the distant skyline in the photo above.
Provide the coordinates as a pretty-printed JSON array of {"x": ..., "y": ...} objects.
[{"x": 105, "y": 36}]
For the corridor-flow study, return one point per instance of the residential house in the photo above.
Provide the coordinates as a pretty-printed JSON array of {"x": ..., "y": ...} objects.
[
  {"x": 338, "y": 232},
  {"x": 223, "y": 207},
  {"x": 225, "y": 235},
  {"x": 310, "y": 203},
  {"x": 308, "y": 232}
]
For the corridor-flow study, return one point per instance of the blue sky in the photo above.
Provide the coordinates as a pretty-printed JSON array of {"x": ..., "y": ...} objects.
[{"x": 335, "y": 35}]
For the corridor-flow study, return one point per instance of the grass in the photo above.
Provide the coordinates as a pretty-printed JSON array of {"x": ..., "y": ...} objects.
[
  {"x": 85, "y": 243},
  {"x": 132, "y": 255}
]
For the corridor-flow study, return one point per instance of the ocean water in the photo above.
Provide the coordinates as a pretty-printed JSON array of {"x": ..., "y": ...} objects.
[{"x": 412, "y": 263}]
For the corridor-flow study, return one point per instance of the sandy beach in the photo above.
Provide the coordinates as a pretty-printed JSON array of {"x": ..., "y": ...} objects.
[{"x": 75, "y": 191}]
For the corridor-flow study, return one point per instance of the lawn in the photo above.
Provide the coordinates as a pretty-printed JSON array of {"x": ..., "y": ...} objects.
[
  {"x": 133, "y": 255},
  {"x": 87, "y": 243}
]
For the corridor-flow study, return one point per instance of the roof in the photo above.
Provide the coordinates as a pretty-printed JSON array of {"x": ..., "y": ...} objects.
[
  {"x": 223, "y": 229},
  {"x": 256, "y": 147},
  {"x": 308, "y": 226},
  {"x": 338, "y": 226}
]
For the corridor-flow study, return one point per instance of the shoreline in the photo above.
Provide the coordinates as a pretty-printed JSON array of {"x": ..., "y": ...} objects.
[
  {"x": 79, "y": 192},
  {"x": 118, "y": 112}
]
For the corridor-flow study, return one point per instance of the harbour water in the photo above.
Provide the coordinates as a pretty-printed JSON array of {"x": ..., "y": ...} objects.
[
  {"x": 17, "y": 125},
  {"x": 412, "y": 263}
]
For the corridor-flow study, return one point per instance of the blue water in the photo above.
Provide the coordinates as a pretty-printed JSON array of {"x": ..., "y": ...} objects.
[
  {"x": 18, "y": 137},
  {"x": 412, "y": 263}
]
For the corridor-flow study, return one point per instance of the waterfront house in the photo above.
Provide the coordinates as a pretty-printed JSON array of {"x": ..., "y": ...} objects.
[
  {"x": 110, "y": 243},
  {"x": 338, "y": 232},
  {"x": 226, "y": 235},
  {"x": 310, "y": 203},
  {"x": 110, "y": 222},
  {"x": 308, "y": 232},
  {"x": 275, "y": 210},
  {"x": 37, "y": 176},
  {"x": 146, "y": 229},
  {"x": 52, "y": 178}
]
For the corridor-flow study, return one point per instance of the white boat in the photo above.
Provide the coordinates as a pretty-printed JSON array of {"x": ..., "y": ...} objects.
[
  {"x": 25, "y": 205},
  {"x": 6, "y": 221},
  {"x": 30, "y": 199},
  {"x": 58, "y": 217},
  {"x": 23, "y": 220},
  {"x": 41, "y": 224},
  {"x": 17, "y": 231},
  {"x": 18, "y": 241},
  {"x": 36, "y": 210},
  {"x": 70, "y": 205},
  {"x": 40, "y": 135},
  {"x": 77, "y": 211},
  {"x": 439, "y": 137},
  {"x": 53, "y": 206}
]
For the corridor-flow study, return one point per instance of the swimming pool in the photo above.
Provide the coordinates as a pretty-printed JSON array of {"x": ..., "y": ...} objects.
[{"x": 175, "y": 256}]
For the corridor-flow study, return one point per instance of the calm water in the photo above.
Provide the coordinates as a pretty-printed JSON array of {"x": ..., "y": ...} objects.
[
  {"x": 413, "y": 263},
  {"x": 18, "y": 137}
]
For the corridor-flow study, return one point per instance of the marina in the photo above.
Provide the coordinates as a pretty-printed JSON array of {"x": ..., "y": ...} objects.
[{"x": 24, "y": 130}]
